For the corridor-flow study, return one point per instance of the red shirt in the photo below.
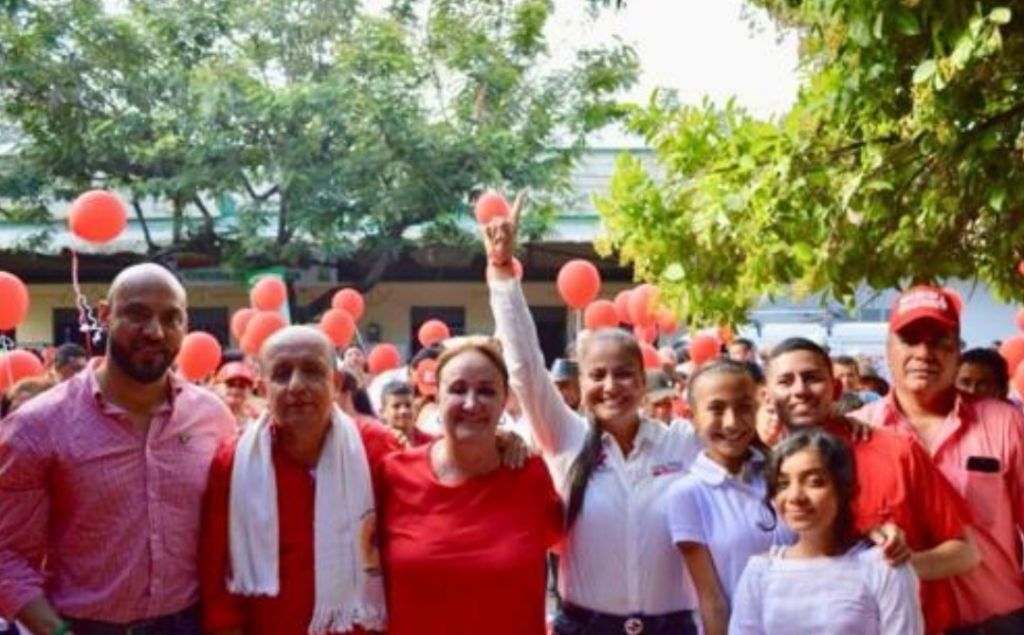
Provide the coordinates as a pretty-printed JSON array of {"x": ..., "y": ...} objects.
[
  {"x": 897, "y": 482},
  {"x": 291, "y": 611},
  {"x": 980, "y": 449},
  {"x": 114, "y": 511},
  {"x": 468, "y": 558}
]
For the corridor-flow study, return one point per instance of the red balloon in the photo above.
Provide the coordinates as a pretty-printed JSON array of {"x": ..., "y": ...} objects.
[
  {"x": 1020, "y": 319},
  {"x": 642, "y": 303},
  {"x": 622, "y": 306},
  {"x": 600, "y": 314},
  {"x": 98, "y": 216},
  {"x": 382, "y": 358},
  {"x": 666, "y": 322},
  {"x": 646, "y": 334},
  {"x": 651, "y": 359},
  {"x": 578, "y": 282},
  {"x": 490, "y": 205},
  {"x": 1020, "y": 267},
  {"x": 349, "y": 300},
  {"x": 339, "y": 326},
  {"x": 261, "y": 326},
  {"x": 240, "y": 320},
  {"x": 199, "y": 355},
  {"x": 17, "y": 365},
  {"x": 704, "y": 348},
  {"x": 269, "y": 293},
  {"x": 433, "y": 331},
  {"x": 1018, "y": 381},
  {"x": 1012, "y": 350},
  {"x": 517, "y": 269},
  {"x": 14, "y": 301}
]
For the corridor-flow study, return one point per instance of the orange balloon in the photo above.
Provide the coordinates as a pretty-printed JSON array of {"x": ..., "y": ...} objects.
[
  {"x": 98, "y": 216},
  {"x": 17, "y": 365},
  {"x": 240, "y": 320},
  {"x": 490, "y": 205},
  {"x": 666, "y": 322},
  {"x": 704, "y": 348},
  {"x": 382, "y": 358},
  {"x": 578, "y": 282},
  {"x": 622, "y": 306},
  {"x": 339, "y": 326},
  {"x": 269, "y": 293},
  {"x": 14, "y": 301},
  {"x": 1012, "y": 350},
  {"x": 199, "y": 355},
  {"x": 651, "y": 359},
  {"x": 433, "y": 331},
  {"x": 600, "y": 314},
  {"x": 646, "y": 334},
  {"x": 642, "y": 302},
  {"x": 349, "y": 300},
  {"x": 261, "y": 326}
]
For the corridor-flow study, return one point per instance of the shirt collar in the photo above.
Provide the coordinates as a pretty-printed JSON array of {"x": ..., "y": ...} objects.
[
  {"x": 715, "y": 475},
  {"x": 92, "y": 384},
  {"x": 650, "y": 432},
  {"x": 961, "y": 414}
]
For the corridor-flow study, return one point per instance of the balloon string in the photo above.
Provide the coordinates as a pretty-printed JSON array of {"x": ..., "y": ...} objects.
[{"x": 87, "y": 322}]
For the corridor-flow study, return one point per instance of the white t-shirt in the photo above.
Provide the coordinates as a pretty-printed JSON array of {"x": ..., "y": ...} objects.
[
  {"x": 856, "y": 593},
  {"x": 619, "y": 557},
  {"x": 726, "y": 514}
]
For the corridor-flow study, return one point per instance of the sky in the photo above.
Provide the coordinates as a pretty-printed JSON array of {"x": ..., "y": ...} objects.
[{"x": 697, "y": 47}]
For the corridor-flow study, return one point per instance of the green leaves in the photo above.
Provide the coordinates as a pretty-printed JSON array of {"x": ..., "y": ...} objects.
[{"x": 902, "y": 159}]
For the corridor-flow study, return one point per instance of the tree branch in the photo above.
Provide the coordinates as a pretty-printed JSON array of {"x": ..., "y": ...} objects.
[
  {"x": 273, "y": 189},
  {"x": 151, "y": 247},
  {"x": 208, "y": 217}
]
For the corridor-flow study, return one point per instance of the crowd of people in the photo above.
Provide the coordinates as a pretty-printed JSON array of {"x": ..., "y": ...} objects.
[{"x": 295, "y": 493}]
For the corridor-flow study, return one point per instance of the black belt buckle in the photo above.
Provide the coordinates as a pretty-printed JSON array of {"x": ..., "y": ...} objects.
[{"x": 633, "y": 626}]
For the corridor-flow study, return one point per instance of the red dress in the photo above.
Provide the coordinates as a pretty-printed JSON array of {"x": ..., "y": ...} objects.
[
  {"x": 469, "y": 558},
  {"x": 291, "y": 611}
]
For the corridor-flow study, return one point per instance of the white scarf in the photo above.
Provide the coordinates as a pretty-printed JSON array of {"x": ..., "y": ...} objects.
[{"x": 349, "y": 589}]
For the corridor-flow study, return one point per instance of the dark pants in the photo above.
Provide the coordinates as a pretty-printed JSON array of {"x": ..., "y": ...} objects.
[
  {"x": 1009, "y": 624},
  {"x": 181, "y": 623},
  {"x": 576, "y": 620}
]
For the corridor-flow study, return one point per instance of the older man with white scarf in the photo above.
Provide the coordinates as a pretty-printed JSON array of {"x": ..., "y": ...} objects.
[{"x": 288, "y": 528}]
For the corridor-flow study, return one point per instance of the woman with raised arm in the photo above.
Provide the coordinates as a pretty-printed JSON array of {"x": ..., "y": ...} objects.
[{"x": 619, "y": 570}]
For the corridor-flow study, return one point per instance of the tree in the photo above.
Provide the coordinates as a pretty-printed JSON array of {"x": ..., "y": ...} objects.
[
  {"x": 900, "y": 162},
  {"x": 295, "y": 131}
]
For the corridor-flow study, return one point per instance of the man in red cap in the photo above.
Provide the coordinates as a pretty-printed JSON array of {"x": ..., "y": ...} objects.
[
  {"x": 978, "y": 444},
  {"x": 235, "y": 382}
]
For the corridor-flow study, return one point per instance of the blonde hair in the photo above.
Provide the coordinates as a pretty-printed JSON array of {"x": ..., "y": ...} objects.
[{"x": 486, "y": 346}]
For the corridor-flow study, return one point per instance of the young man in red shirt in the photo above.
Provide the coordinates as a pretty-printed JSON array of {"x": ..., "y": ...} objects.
[{"x": 896, "y": 481}]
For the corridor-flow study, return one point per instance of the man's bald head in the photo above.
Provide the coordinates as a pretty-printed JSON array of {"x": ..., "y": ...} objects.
[
  {"x": 300, "y": 336},
  {"x": 145, "y": 275},
  {"x": 297, "y": 369}
]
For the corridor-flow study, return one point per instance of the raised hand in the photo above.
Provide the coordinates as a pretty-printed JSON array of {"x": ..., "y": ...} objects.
[{"x": 500, "y": 237}]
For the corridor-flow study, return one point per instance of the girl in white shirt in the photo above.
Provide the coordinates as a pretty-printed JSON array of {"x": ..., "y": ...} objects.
[
  {"x": 716, "y": 512},
  {"x": 619, "y": 571},
  {"x": 830, "y": 581}
]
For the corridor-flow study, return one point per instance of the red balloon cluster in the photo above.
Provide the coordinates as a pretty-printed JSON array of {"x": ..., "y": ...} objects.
[
  {"x": 643, "y": 305},
  {"x": 622, "y": 306},
  {"x": 240, "y": 320},
  {"x": 433, "y": 331},
  {"x": 199, "y": 355},
  {"x": 17, "y": 365},
  {"x": 260, "y": 327},
  {"x": 14, "y": 301},
  {"x": 351, "y": 301},
  {"x": 652, "y": 361},
  {"x": 98, "y": 216},
  {"x": 490, "y": 205},
  {"x": 578, "y": 283},
  {"x": 269, "y": 293},
  {"x": 382, "y": 358},
  {"x": 646, "y": 334},
  {"x": 666, "y": 322},
  {"x": 600, "y": 314},
  {"x": 704, "y": 348}
]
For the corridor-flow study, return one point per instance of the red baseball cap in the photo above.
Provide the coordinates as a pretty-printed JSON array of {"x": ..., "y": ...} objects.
[
  {"x": 924, "y": 303},
  {"x": 236, "y": 370}
]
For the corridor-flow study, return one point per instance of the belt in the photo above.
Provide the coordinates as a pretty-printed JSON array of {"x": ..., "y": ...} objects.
[
  {"x": 635, "y": 624},
  {"x": 184, "y": 622}
]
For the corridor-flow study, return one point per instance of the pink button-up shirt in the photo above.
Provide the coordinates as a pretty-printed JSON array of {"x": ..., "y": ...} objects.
[
  {"x": 115, "y": 513},
  {"x": 992, "y": 431}
]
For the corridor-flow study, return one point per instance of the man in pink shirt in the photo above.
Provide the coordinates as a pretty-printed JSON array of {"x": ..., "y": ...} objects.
[
  {"x": 978, "y": 444},
  {"x": 101, "y": 480}
]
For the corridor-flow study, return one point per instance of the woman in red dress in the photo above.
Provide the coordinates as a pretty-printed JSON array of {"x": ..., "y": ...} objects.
[{"x": 463, "y": 539}]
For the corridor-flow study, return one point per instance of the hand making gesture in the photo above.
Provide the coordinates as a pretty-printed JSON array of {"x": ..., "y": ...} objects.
[{"x": 500, "y": 239}]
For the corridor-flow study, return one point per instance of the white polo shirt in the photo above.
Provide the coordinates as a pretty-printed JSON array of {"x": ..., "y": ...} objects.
[
  {"x": 727, "y": 514},
  {"x": 619, "y": 557}
]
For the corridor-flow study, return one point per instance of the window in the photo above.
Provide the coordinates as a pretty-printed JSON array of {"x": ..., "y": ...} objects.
[{"x": 453, "y": 316}]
